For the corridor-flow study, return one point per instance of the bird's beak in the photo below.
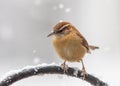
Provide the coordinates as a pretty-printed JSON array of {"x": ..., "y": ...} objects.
[{"x": 52, "y": 33}]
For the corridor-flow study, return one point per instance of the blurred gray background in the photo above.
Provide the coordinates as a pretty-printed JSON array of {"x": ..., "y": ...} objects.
[{"x": 25, "y": 24}]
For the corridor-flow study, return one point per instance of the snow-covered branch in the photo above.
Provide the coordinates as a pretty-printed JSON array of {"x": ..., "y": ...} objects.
[{"x": 28, "y": 71}]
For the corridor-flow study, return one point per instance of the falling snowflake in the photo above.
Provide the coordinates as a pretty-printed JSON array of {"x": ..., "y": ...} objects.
[
  {"x": 67, "y": 10},
  {"x": 61, "y": 5},
  {"x": 36, "y": 60},
  {"x": 60, "y": 20},
  {"x": 34, "y": 51}
]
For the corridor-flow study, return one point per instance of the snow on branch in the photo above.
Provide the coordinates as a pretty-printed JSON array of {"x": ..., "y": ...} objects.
[{"x": 16, "y": 75}]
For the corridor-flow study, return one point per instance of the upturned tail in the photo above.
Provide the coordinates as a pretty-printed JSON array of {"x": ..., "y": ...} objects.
[{"x": 93, "y": 47}]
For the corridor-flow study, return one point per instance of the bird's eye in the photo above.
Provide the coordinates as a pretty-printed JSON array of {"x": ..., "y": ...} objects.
[{"x": 63, "y": 28}]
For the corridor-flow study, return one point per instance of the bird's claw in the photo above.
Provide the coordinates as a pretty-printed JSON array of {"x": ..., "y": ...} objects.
[
  {"x": 84, "y": 73},
  {"x": 64, "y": 67}
]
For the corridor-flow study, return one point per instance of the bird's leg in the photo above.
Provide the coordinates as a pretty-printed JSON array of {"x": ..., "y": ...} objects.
[
  {"x": 83, "y": 71},
  {"x": 64, "y": 66}
]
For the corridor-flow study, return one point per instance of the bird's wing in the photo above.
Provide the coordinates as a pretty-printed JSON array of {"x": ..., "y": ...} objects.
[
  {"x": 84, "y": 42},
  {"x": 86, "y": 45}
]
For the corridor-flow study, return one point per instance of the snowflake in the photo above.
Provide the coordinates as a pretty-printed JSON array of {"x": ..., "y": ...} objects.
[
  {"x": 36, "y": 60},
  {"x": 61, "y": 5},
  {"x": 67, "y": 10}
]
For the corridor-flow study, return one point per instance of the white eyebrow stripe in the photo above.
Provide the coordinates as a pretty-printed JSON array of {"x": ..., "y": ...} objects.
[{"x": 64, "y": 26}]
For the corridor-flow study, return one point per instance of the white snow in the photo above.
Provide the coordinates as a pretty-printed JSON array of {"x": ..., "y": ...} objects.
[
  {"x": 36, "y": 60},
  {"x": 53, "y": 63},
  {"x": 67, "y": 10},
  {"x": 51, "y": 80},
  {"x": 36, "y": 70},
  {"x": 9, "y": 73},
  {"x": 60, "y": 20},
  {"x": 76, "y": 71},
  {"x": 25, "y": 68},
  {"x": 61, "y": 5}
]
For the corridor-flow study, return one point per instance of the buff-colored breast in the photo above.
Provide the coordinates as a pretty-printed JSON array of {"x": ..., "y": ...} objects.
[{"x": 69, "y": 47}]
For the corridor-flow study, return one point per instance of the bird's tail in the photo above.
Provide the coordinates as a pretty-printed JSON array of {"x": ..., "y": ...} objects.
[{"x": 93, "y": 47}]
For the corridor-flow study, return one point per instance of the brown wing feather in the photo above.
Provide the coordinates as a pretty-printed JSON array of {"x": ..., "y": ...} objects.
[{"x": 84, "y": 42}]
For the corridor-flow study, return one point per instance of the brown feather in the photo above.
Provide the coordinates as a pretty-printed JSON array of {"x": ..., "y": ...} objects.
[
  {"x": 93, "y": 47},
  {"x": 59, "y": 25},
  {"x": 84, "y": 41}
]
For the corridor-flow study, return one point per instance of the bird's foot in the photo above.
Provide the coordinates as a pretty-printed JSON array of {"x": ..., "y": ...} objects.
[
  {"x": 84, "y": 73},
  {"x": 64, "y": 67}
]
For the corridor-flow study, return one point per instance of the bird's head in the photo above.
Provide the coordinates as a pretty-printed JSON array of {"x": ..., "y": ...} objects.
[{"x": 61, "y": 29}]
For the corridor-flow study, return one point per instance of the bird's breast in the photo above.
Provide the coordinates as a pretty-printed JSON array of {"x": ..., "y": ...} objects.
[{"x": 69, "y": 48}]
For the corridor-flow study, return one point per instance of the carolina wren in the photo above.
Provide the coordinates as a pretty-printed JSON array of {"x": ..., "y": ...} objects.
[{"x": 70, "y": 44}]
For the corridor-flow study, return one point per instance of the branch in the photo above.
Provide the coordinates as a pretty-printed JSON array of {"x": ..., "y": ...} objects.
[{"x": 17, "y": 75}]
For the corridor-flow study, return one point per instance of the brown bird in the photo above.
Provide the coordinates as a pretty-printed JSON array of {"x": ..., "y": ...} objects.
[{"x": 70, "y": 44}]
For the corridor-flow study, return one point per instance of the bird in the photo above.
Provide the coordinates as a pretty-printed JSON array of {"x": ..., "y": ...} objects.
[{"x": 70, "y": 44}]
